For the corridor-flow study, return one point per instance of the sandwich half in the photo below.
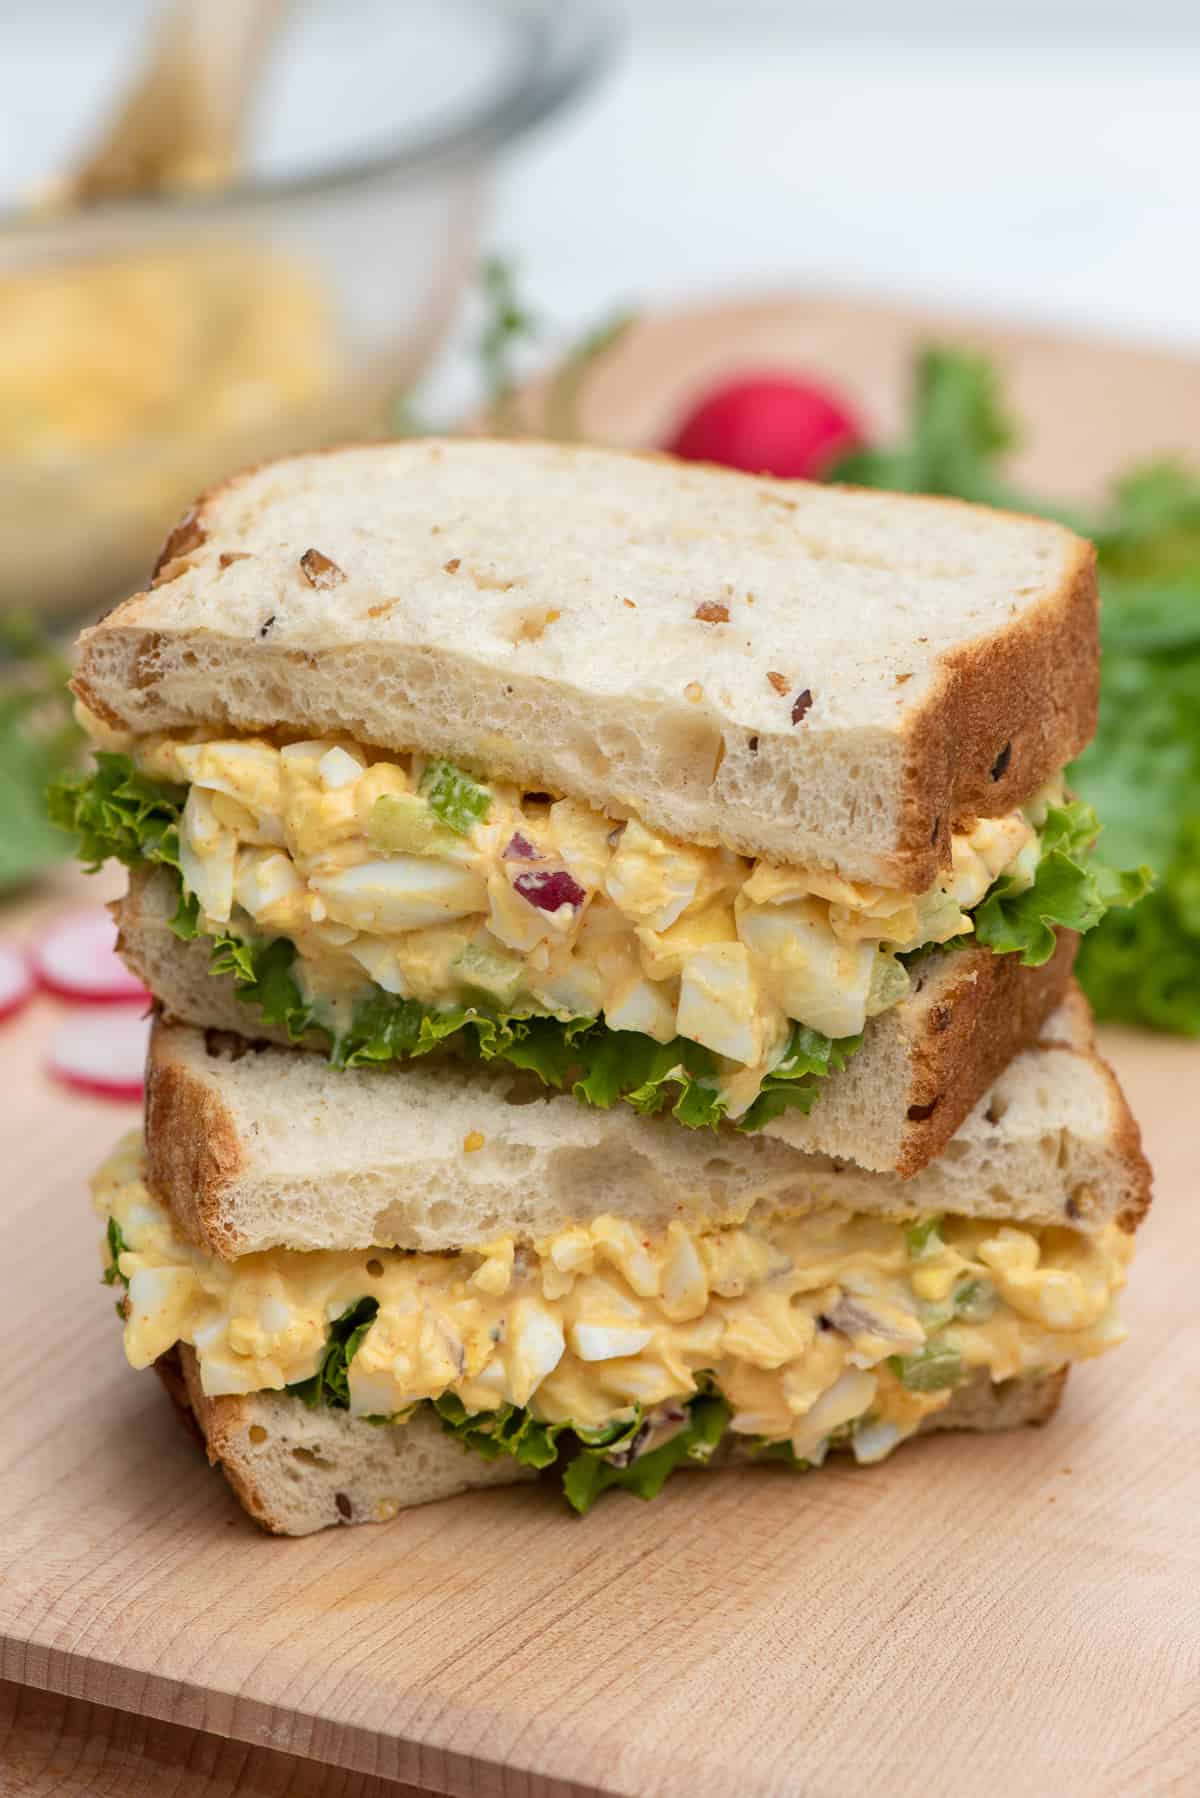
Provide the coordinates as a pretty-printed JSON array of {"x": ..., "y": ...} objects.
[
  {"x": 706, "y": 793},
  {"x": 370, "y": 1289}
]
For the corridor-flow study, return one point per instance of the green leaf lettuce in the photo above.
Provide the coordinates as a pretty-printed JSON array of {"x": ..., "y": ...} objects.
[
  {"x": 1071, "y": 889},
  {"x": 120, "y": 812},
  {"x": 1142, "y": 772},
  {"x": 330, "y": 1384},
  {"x": 583, "y": 1456}
]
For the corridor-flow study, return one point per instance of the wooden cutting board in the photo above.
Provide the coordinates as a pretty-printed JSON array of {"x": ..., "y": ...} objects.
[{"x": 1013, "y": 1614}]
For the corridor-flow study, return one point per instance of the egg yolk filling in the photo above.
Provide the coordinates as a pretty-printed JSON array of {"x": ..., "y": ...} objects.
[
  {"x": 827, "y": 1329},
  {"x": 405, "y": 901}
]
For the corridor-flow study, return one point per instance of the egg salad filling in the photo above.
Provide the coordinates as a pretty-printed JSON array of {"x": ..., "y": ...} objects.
[
  {"x": 392, "y": 902},
  {"x": 791, "y": 1335}
]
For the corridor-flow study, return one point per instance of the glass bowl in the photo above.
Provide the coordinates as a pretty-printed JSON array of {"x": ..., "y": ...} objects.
[{"x": 149, "y": 347}]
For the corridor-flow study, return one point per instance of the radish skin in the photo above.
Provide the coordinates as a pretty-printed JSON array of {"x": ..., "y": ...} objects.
[
  {"x": 77, "y": 959},
  {"x": 102, "y": 1051},
  {"x": 16, "y": 981},
  {"x": 769, "y": 423}
]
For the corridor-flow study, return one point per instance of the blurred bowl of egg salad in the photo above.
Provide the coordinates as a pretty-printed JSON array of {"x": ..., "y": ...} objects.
[{"x": 152, "y": 344}]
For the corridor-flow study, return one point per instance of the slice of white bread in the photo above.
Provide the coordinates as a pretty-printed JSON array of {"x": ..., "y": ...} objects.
[
  {"x": 922, "y": 1066},
  {"x": 259, "y": 1148},
  {"x": 296, "y": 1471},
  {"x": 813, "y": 674}
]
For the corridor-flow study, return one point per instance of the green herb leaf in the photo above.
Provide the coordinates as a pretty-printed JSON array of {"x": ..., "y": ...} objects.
[
  {"x": 454, "y": 797},
  {"x": 565, "y": 391},
  {"x": 117, "y": 1246},
  {"x": 508, "y": 324},
  {"x": 330, "y": 1385}
]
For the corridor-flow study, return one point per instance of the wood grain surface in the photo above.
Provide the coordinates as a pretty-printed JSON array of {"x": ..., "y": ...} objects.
[
  {"x": 1084, "y": 409},
  {"x": 57, "y": 1747},
  {"x": 1016, "y": 1615}
]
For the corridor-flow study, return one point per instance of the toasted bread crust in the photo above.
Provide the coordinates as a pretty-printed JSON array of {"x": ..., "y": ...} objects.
[
  {"x": 987, "y": 1009},
  {"x": 1128, "y": 1139},
  {"x": 972, "y": 763},
  {"x": 218, "y": 1422},
  {"x": 224, "y": 1427},
  {"x": 192, "y": 1148},
  {"x": 1003, "y": 713},
  {"x": 923, "y": 1066},
  {"x": 295, "y": 1471},
  {"x": 1009, "y": 1405}
]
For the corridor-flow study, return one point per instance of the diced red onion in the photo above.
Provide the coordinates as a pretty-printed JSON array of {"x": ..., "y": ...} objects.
[
  {"x": 548, "y": 888},
  {"x": 520, "y": 849}
]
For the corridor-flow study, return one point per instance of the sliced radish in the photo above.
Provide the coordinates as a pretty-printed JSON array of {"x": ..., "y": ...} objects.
[
  {"x": 102, "y": 1052},
  {"x": 16, "y": 981},
  {"x": 77, "y": 959}
]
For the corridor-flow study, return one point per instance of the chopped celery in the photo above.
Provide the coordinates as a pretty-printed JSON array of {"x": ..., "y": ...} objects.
[
  {"x": 402, "y": 824},
  {"x": 934, "y": 1315},
  {"x": 923, "y": 1239},
  {"x": 933, "y": 1370},
  {"x": 499, "y": 976},
  {"x": 458, "y": 801},
  {"x": 890, "y": 982},
  {"x": 974, "y": 1300}
]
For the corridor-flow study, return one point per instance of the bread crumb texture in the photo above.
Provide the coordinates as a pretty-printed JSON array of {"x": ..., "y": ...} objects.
[{"x": 533, "y": 611}]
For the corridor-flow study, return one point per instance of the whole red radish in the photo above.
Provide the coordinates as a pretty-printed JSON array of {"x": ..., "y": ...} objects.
[{"x": 770, "y": 423}]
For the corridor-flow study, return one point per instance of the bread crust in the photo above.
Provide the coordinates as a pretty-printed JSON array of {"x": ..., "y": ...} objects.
[
  {"x": 223, "y": 1427},
  {"x": 978, "y": 759},
  {"x": 355, "y": 1472},
  {"x": 193, "y": 1150},
  {"x": 922, "y": 1067},
  {"x": 1001, "y": 714},
  {"x": 366, "y": 1158},
  {"x": 979, "y": 1010},
  {"x": 1127, "y": 1137}
]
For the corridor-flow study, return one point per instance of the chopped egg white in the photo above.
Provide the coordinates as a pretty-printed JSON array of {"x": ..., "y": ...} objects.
[
  {"x": 805, "y": 1324},
  {"x": 548, "y": 906}
]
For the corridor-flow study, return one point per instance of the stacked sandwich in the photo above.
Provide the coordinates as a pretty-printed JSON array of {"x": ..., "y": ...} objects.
[{"x": 611, "y": 923}]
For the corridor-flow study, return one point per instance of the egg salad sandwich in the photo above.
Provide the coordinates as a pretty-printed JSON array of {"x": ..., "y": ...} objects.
[
  {"x": 369, "y": 1289},
  {"x": 734, "y": 800}
]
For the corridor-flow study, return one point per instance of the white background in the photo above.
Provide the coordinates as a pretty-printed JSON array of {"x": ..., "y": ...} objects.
[{"x": 1038, "y": 158}]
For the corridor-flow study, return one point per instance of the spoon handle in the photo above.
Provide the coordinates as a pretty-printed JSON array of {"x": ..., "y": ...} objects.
[{"x": 180, "y": 124}]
